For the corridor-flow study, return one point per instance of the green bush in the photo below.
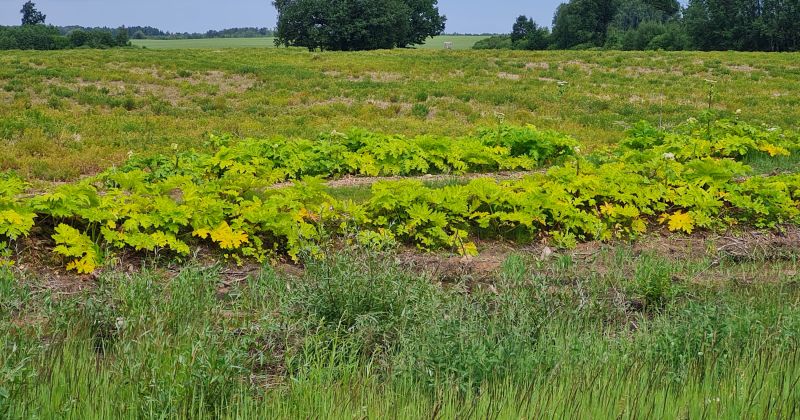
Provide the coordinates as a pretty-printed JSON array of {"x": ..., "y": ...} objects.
[
  {"x": 45, "y": 37},
  {"x": 420, "y": 110},
  {"x": 32, "y": 37},
  {"x": 497, "y": 42}
]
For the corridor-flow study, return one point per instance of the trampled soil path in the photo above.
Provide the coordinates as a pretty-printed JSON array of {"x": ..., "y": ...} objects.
[
  {"x": 767, "y": 256},
  {"x": 357, "y": 181},
  {"x": 756, "y": 247}
]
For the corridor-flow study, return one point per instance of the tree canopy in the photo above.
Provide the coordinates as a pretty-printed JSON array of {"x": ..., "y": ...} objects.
[
  {"x": 748, "y": 25},
  {"x": 582, "y": 23},
  {"x": 34, "y": 35},
  {"x": 31, "y": 16},
  {"x": 351, "y": 25},
  {"x": 527, "y": 35},
  {"x": 752, "y": 25}
]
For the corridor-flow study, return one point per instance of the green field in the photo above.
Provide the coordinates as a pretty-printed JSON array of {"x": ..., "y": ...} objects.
[
  {"x": 171, "y": 44},
  {"x": 214, "y": 232},
  {"x": 72, "y": 113},
  {"x": 459, "y": 42}
]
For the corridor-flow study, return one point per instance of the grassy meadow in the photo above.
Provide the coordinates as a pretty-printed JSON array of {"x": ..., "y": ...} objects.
[
  {"x": 623, "y": 333},
  {"x": 73, "y": 113},
  {"x": 689, "y": 307}
]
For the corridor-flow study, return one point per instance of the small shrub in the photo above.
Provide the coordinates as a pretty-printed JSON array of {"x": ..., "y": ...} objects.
[
  {"x": 420, "y": 111},
  {"x": 654, "y": 283}
]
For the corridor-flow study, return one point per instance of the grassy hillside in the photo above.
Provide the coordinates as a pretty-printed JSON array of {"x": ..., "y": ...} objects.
[{"x": 71, "y": 113}]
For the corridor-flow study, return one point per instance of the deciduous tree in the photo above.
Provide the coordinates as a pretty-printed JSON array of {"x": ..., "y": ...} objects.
[
  {"x": 30, "y": 15},
  {"x": 356, "y": 24}
]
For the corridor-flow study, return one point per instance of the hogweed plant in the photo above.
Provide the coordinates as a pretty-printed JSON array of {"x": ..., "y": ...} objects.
[{"x": 227, "y": 199}]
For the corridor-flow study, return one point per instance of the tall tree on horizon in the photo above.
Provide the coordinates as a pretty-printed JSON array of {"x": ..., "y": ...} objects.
[
  {"x": 30, "y": 15},
  {"x": 523, "y": 27}
]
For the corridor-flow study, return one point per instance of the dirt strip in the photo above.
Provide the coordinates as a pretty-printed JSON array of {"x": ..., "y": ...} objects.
[
  {"x": 766, "y": 255},
  {"x": 358, "y": 181}
]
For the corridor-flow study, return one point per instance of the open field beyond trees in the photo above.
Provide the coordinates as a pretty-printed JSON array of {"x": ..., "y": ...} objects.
[
  {"x": 252, "y": 232},
  {"x": 460, "y": 42}
]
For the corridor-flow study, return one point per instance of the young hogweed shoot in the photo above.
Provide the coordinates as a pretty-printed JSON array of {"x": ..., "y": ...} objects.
[
  {"x": 709, "y": 117},
  {"x": 562, "y": 88},
  {"x": 711, "y": 84}
]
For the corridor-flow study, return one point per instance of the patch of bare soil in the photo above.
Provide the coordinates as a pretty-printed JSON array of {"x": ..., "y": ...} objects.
[
  {"x": 584, "y": 66},
  {"x": 401, "y": 106},
  {"x": 548, "y": 79},
  {"x": 167, "y": 93},
  {"x": 227, "y": 82},
  {"x": 377, "y": 76},
  {"x": 339, "y": 100},
  {"x": 37, "y": 265},
  {"x": 457, "y": 73},
  {"x": 508, "y": 76},
  {"x": 170, "y": 94},
  {"x": 767, "y": 249},
  {"x": 742, "y": 68},
  {"x": 761, "y": 246},
  {"x": 676, "y": 246},
  {"x": 540, "y": 65},
  {"x": 149, "y": 71},
  {"x": 449, "y": 268},
  {"x": 747, "y": 257},
  {"x": 355, "y": 181}
]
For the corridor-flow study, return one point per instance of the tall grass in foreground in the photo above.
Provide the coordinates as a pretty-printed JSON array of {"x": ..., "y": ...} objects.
[{"x": 358, "y": 336}]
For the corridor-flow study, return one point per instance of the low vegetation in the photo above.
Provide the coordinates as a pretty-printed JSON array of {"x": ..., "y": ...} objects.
[
  {"x": 75, "y": 113},
  {"x": 398, "y": 234},
  {"x": 623, "y": 333},
  {"x": 688, "y": 179}
]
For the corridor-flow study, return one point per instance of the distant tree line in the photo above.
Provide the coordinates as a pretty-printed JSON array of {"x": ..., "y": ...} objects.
[
  {"x": 46, "y": 37},
  {"x": 33, "y": 34},
  {"x": 468, "y": 33},
  {"x": 745, "y": 25},
  {"x": 147, "y": 32}
]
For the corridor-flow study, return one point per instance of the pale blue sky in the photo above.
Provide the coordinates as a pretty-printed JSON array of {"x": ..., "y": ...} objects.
[{"x": 201, "y": 15}]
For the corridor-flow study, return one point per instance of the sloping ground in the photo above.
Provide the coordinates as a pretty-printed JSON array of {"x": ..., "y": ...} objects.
[
  {"x": 73, "y": 113},
  {"x": 687, "y": 180}
]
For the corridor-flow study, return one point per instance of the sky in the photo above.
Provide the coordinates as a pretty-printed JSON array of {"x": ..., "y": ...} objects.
[{"x": 463, "y": 16}]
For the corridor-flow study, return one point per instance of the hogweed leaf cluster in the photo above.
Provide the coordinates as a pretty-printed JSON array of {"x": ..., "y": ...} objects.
[{"x": 685, "y": 179}]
